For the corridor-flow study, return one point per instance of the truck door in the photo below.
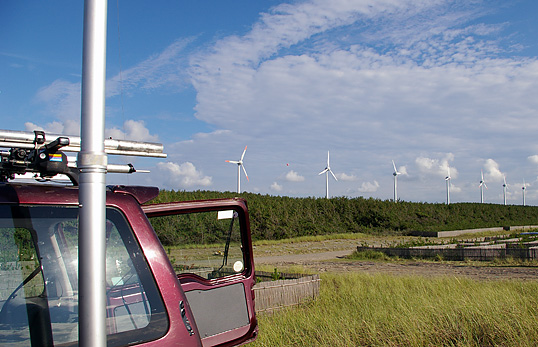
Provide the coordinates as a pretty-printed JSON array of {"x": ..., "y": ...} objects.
[
  {"x": 210, "y": 248},
  {"x": 39, "y": 272}
]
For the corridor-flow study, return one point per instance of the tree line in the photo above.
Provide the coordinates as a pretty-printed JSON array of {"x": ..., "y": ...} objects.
[{"x": 279, "y": 217}]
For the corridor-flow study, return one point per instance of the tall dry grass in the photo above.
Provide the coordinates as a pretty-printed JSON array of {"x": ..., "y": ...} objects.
[{"x": 381, "y": 310}]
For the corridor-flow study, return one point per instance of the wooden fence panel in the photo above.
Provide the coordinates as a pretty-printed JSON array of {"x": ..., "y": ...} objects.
[{"x": 283, "y": 293}]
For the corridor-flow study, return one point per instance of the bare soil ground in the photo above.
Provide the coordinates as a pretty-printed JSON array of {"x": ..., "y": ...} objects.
[{"x": 329, "y": 256}]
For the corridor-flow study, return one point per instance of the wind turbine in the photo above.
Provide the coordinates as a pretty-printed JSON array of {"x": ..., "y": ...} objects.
[
  {"x": 395, "y": 174},
  {"x": 239, "y": 166},
  {"x": 504, "y": 189},
  {"x": 524, "y": 188},
  {"x": 482, "y": 185},
  {"x": 447, "y": 179},
  {"x": 326, "y": 172}
]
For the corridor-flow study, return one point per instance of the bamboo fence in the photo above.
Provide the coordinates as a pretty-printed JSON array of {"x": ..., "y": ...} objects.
[
  {"x": 458, "y": 254},
  {"x": 274, "y": 295}
]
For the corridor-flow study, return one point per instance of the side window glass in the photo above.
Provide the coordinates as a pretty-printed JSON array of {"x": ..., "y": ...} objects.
[
  {"x": 128, "y": 307},
  {"x": 207, "y": 244},
  {"x": 21, "y": 283},
  {"x": 43, "y": 257}
]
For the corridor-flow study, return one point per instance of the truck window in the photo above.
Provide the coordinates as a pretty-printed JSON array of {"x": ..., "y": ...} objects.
[
  {"x": 39, "y": 287},
  {"x": 207, "y": 244},
  {"x": 210, "y": 250}
]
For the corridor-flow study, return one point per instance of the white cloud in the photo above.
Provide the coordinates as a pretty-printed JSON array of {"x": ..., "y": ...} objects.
[
  {"x": 276, "y": 187},
  {"x": 31, "y": 126},
  {"x": 437, "y": 167},
  {"x": 237, "y": 65},
  {"x": 432, "y": 83},
  {"x": 425, "y": 164},
  {"x": 293, "y": 176},
  {"x": 134, "y": 131},
  {"x": 455, "y": 188},
  {"x": 492, "y": 172},
  {"x": 68, "y": 127},
  {"x": 62, "y": 98},
  {"x": 369, "y": 187},
  {"x": 533, "y": 159},
  {"x": 159, "y": 70},
  {"x": 183, "y": 175},
  {"x": 345, "y": 177}
]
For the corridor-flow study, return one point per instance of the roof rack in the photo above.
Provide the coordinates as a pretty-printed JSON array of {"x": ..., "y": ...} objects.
[{"x": 32, "y": 152}]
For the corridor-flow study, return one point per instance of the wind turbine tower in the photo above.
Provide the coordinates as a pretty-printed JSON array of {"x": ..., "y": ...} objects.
[
  {"x": 395, "y": 174},
  {"x": 239, "y": 166},
  {"x": 524, "y": 188},
  {"x": 504, "y": 189},
  {"x": 447, "y": 179},
  {"x": 326, "y": 172},
  {"x": 482, "y": 185}
]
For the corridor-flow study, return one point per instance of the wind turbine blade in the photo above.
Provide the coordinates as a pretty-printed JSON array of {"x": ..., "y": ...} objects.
[
  {"x": 232, "y": 161},
  {"x": 243, "y": 155},
  {"x": 324, "y": 171},
  {"x": 336, "y": 179},
  {"x": 327, "y": 158},
  {"x": 394, "y": 166},
  {"x": 245, "y": 171}
]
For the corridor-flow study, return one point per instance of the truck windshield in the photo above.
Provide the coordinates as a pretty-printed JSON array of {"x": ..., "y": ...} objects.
[
  {"x": 39, "y": 279},
  {"x": 208, "y": 244}
]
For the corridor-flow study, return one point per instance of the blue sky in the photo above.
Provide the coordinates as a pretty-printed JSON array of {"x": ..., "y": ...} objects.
[{"x": 429, "y": 84}]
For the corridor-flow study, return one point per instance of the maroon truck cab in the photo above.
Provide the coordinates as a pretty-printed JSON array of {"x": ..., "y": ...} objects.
[{"x": 203, "y": 296}]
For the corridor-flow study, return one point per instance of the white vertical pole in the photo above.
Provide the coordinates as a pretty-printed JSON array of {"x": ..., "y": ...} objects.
[
  {"x": 327, "y": 185},
  {"x": 92, "y": 162},
  {"x": 448, "y": 192},
  {"x": 395, "y": 187},
  {"x": 238, "y": 179}
]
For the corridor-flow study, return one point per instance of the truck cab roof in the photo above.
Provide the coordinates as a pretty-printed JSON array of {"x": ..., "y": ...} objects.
[{"x": 25, "y": 193}]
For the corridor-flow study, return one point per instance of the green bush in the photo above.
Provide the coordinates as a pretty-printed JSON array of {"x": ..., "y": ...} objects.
[
  {"x": 368, "y": 255},
  {"x": 280, "y": 217}
]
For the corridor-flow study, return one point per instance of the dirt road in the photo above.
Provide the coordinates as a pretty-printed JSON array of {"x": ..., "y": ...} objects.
[{"x": 333, "y": 261}]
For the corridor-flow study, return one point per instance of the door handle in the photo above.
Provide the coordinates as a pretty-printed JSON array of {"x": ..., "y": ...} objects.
[{"x": 185, "y": 318}]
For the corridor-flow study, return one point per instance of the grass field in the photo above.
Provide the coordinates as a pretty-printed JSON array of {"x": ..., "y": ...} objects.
[
  {"x": 360, "y": 309},
  {"x": 382, "y": 310}
]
